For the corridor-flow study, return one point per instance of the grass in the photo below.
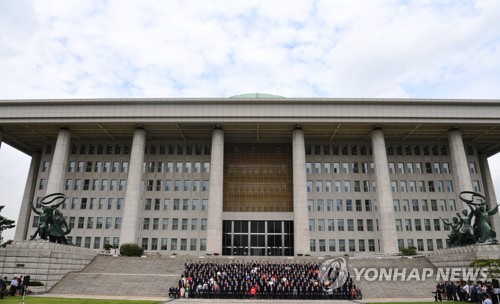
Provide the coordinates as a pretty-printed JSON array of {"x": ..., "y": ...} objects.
[{"x": 43, "y": 300}]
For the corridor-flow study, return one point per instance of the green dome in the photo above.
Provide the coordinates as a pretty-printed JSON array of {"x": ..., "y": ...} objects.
[{"x": 257, "y": 96}]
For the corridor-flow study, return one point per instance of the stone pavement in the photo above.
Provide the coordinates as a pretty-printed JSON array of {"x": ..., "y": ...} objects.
[{"x": 169, "y": 300}]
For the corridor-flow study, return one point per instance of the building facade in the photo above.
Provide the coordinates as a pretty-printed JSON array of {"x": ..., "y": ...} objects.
[{"x": 255, "y": 174}]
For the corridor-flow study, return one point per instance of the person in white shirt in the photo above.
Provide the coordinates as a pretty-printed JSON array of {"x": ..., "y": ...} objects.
[{"x": 13, "y": 286}]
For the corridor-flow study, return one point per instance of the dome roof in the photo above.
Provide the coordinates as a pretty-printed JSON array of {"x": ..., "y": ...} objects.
[{"x": 257, "y": 96}]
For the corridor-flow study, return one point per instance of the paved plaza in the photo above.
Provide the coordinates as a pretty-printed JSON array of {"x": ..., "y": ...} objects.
[{"x": 171, "y": 300}]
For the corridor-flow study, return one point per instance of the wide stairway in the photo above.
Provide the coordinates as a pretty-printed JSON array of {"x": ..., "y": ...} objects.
[
  {"x": 373, "y": 286},
  {"x": 123, "y": 276},
  {"x": 153, "y": 275}
]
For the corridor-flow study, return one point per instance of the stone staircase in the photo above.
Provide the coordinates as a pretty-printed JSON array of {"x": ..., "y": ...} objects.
[
  {"x": 123, "y": 276},
  {"x": 375, "y": 285},
  {"x": 153, "y": 275}
]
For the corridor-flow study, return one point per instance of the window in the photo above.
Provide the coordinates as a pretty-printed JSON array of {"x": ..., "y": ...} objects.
[
  {"x": 328, "y": 186},
  {"x": 42, "y": 184},
  {"x": 418, "y": 225},
  {"x": 192, "y": 245},
  {"x": 396, "y": 205},
  {"x": 173, "y": 244},
  {"x": 340, "y": 225},
  {"x": 341, "y": 245},
  {"x": 350, "y": 225},
  {"x": 194, "y": 224},
  {"x": 408, "y": 226},
  {"x": 437, "y": 225},
  {"x": 145, "y": 225},
  {"x": 446, "y": 168},
  {"x": 81, "y": 222},
  {"x": 352, "y": 245},
  {"x": 329, "y": 205},
  {"x": 309, "y": 186},
  {"x": 319, "y": 205},
  {"x": 312, "y": 225},
  {"x": 371, "y": 245},
  {"x": 45, "y": 166},
  {"x": 331, "y": 225},
  {"x": 427, "y": 224},
  {"x": 449, "y": 185},
  {"x": 434, "y": 205},
  {"x": 348, "y": 205},
  {"x": 175, "y": 224},
  {"x": 360, "y": 225},
  {"x": 399, "y": 225},
  {"x": 319, "y": 186},
  {"x": 321, "y": 225},
  {"x": 165, "y": 224},
  {"x": 331, "y": 245},
  {"x": 340, "y": 205},
  {"x": 118, "y": 223},
  {"x": 369, "y": 225},
  {"x": 312, "y": 245},
  {"x": 99, "y": 223},
  {"x": 90, "y": 222},
  {"x": 414, "y": 203}
]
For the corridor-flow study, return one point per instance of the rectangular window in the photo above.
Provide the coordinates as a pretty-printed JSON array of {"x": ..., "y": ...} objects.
[
  {"x": 331, "y": 245},
  {"x": 312, "y": 245},
  {"x": 341, "y": 245}
]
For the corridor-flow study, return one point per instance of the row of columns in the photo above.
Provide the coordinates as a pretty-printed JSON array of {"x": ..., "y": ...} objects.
[{"x": 131, "y": 220}]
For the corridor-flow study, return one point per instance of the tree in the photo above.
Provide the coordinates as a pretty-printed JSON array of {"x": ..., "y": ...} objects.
[{"x": 5, "y": 224}]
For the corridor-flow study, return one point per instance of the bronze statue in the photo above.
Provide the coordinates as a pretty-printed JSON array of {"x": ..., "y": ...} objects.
[
  {"x": 482, "y": 232},
  {"x": 482, "y": 226},
  {"x": 455, "y": 231},
  {"x": 466, "y": 234},
  {"x": 52, "y": 224}
]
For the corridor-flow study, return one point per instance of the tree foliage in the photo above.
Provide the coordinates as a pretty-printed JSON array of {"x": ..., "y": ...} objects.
[
  {"x": 409, "y": 250},
  {"x": 130, "y": 249},
  {"x": 5, "y": 224},
  {"x": 492, "y": 265}
]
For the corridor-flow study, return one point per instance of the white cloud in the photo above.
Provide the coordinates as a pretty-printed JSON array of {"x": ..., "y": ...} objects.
[{"x": 424, "y": 49}]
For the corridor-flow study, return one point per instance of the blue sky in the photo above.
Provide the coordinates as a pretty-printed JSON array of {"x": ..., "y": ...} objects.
[{"x": 102, "y": 49}]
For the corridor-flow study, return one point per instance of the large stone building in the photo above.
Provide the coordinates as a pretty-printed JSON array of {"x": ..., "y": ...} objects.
[{"x": 255, "y": 174}]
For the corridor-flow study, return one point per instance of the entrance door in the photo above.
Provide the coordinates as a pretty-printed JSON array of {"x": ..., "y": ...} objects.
[{"x": 258, "y": 238}]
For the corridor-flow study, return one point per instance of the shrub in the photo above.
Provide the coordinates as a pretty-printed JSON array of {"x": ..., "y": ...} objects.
[
  {"x": 409, "y": 250},
  {"x": 108, "y": 246},
  {"x": 35, "y": 283},
  {"x": 130, "y": 249}
]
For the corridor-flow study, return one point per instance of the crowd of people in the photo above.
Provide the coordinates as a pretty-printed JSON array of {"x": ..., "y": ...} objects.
[
  {"x": 255, "y": 280},
  {"x": 466, "y": 291},
  {"x": 16, "y": 286}
]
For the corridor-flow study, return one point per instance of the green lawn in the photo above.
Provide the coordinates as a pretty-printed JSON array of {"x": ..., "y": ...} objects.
[{"x": 43, "y": 300}]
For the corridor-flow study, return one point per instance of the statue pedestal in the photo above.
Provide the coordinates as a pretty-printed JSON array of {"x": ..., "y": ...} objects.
[
  {"x": 43, "y": 261},
  {"x": 464, "y": 256}
]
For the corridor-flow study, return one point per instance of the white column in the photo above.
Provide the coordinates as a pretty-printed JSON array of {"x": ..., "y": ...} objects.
[
  {"x": 23, "y": 220},
  {"x": 300, "y": 213},
  {"x": 131, "y": 221},
  {"x": 55, "y": 183},
  {"x": 459, "y": 164},
  {"x": 388, "y": 235},
  {"x": 489, "y": 190},
  {"x": 215, "y": 195}
]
